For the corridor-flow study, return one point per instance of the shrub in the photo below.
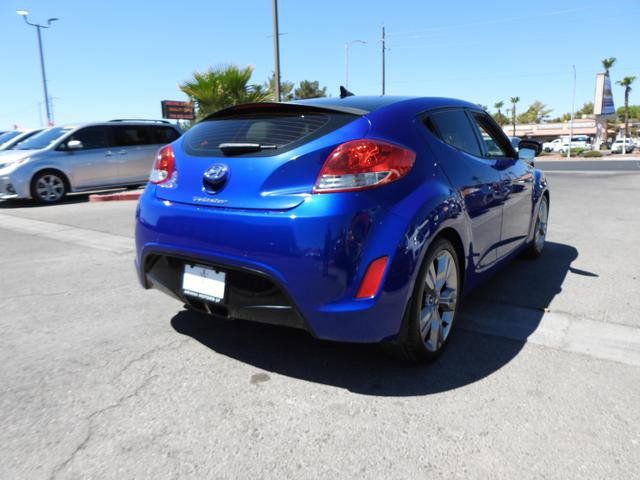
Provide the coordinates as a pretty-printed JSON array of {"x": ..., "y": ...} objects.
[{"x": 592, "y": 153}]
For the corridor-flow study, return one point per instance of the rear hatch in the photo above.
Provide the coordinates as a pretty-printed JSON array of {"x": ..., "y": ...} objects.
[{"x": 269, "y": 155}]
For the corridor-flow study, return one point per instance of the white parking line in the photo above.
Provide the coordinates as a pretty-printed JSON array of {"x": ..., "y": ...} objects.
[
  {"x": 66, "y": 233},
  {"x": 609, "y": 341}
]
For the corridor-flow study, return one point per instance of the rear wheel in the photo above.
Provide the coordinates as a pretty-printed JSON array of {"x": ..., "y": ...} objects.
[
  {"x": 540, "y": 233},
  {"x": 432, "y": 309},
  {"x": 48, "y": 187}
]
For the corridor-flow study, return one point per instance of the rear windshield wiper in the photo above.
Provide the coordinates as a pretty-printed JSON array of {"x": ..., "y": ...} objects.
[{"x": 240, "y": 148}]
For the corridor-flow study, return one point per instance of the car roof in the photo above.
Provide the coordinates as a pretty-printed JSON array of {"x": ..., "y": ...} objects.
[
  {"x": 156, "y": 123},
  {"x": 365, "y": 103}
]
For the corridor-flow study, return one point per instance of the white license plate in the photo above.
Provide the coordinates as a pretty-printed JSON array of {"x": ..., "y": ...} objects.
[{"x": 203, "y": 282}]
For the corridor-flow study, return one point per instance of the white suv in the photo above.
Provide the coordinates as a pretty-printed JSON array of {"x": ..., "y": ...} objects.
[{"x": 628, "y": 144}]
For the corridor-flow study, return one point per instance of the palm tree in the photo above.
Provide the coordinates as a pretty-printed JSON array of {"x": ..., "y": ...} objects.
[
  {"x": 626, "y": 83},
  {"x": 607, "y": 63},
  {"x": 514, "y": 100},
  {"x": 498, "y": 106},
  {"x": 222, "y": 87}
]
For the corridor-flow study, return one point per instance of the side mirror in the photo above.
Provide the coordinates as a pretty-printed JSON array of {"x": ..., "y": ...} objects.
[
  {"x": 531, "y": 145},
  {"x": 74, "y": 145}
]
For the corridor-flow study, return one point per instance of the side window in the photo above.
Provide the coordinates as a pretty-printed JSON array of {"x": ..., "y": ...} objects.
[
  {"x": 496, "y": 143},
  {"x": 130, "y": 135},
  {"x": 92, "y": 137},
  {"x": 162, "y": 135},
  {"x": 453, "y": 127}
]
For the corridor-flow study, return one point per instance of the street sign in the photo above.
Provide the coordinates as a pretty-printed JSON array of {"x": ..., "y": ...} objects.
[{"x": 176, "y": 110}]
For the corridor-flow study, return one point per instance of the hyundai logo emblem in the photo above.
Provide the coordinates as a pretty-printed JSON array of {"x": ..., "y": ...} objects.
[{"x": 216, "y": 173}]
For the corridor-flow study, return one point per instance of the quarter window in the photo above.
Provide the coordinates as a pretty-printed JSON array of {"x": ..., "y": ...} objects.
[{"x": 454, "y": 128}]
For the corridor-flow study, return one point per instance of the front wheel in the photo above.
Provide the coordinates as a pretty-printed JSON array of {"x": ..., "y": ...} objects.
[
  {"x": 540, "y": 233},
  {"x": 431, "y": 312},
  {"x": 48, "y": 187}
]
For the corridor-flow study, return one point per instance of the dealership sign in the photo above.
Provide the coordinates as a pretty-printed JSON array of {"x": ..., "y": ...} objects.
[
  {"x": 603, "y": 104},
  {"x": 176, "y": 110}
]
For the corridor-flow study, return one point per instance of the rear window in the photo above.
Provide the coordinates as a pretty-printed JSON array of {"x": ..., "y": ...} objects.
[{"x": 286, "y": 130}]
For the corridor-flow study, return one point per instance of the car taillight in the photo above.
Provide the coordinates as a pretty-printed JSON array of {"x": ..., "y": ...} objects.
[
  {"x": 164, "y": 166},
  {"x": 360, "y": 164}
]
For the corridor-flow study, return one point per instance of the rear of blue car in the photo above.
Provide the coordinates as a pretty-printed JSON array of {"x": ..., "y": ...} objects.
[{"x": 301, "y": 215}]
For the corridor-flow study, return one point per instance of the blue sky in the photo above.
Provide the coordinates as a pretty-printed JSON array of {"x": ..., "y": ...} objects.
[{"x": 109, "y": 59}]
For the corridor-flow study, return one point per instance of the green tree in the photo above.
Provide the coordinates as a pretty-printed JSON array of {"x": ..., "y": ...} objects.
[
  {"x": 500, "y": 118},
  {"x": 536, "y": 113},
  {"x": 286, "y": 89},
  {"x": 221, "y": 87},
  {"x": 309, "y": 89},
  {"x": 626, "y": 83},
  {"x": 634, "y": 112},
  {"x": 513, "y": 101},
  {"x": 565, "y": 117},
  {"x": 587, "y": 109}
]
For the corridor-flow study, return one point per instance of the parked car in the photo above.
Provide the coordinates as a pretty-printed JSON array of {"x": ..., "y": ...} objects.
[
  {"x": 21, "y": 136},
  {"x": 617, "y": 146},
  {"x": 77, "y": 158},
  {"x": 553, "y": 145},
  {"x": 8, "y": 136},
  {"x": 358, "y": 219},
  {"x": 581, "y": 141}
]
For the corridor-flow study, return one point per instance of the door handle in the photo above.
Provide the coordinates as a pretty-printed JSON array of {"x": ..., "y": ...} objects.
[
  {"x": 122, "y": 152},
  {"x": 108, "y": 153}
]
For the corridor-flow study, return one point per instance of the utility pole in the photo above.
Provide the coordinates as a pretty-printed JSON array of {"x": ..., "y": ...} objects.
[
  {"x": 383, "y": 59},
  {"x": 573, "y": 109},
  {"x": 276, "y": 49},
  {"x": 24, "y": 14}
]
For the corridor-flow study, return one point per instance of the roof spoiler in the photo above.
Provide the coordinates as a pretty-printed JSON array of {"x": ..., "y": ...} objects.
[{"x": 282, "y": 107}]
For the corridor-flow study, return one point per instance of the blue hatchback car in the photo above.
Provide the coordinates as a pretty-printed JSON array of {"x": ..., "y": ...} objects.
[{"x": 358, "y": 219}]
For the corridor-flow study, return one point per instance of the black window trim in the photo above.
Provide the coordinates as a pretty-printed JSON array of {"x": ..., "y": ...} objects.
[
  {"x": 425, "y": 116},
  {"x": 496, "y": 130}
]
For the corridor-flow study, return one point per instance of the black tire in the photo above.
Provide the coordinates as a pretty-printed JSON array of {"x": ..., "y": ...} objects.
[
  {"x": 535, "y": 248},
  {"x": 414, "y": 344},
  {"x": 48, "y": 187}
]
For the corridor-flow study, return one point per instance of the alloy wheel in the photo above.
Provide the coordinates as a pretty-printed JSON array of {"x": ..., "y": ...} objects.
[
  {"x": 439, "y": 301},
  {"x": 50, "y": 188},
  {"x": 541, "y": 225}
]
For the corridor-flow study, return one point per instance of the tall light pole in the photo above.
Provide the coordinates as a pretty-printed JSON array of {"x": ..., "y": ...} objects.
[
  {"x": 24, "y": 14},
  {"x": 276, "y": 50},
  {"x": 346, "y": 60},
  {"x": 384, "y": 49},
  {"x": 573, "y": 110}
]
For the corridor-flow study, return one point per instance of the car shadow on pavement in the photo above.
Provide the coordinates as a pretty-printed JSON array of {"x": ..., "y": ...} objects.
[
  {"x": 29, "y": 203},
  {"x": 470, "y": 356}
]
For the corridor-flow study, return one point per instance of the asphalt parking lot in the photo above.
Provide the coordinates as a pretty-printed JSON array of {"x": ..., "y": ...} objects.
[{"x": 101, "y": 379}]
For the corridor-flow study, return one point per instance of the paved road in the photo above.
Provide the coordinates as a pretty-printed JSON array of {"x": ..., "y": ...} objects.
[
  {"x": 104, "y": 380},
  {"x": 604, "y": 165}
]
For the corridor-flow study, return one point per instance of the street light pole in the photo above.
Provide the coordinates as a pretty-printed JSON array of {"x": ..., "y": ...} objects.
[
  {"x": 346, "y": 60},
  {"x": 24, "y": 14},
  {"x": 573, "y": 109},
  {"x": 276, "y": 49},
  {"x": 383, "y": 61}
]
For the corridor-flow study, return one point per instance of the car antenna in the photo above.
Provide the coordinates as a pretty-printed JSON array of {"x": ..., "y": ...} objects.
[{"x": 345, "y": 93}]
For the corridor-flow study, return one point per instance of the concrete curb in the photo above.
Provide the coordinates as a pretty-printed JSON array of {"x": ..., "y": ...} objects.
[{"x": 118, "y": 196}]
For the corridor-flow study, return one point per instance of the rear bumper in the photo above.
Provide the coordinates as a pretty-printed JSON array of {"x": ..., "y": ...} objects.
[{"x": 315, "y": 255}]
